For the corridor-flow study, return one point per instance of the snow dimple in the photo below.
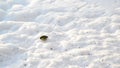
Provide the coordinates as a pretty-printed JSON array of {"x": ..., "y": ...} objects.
[
  {"x": 9, "y": 52},
  {"x": 117, "y": 11},
  {"x": 116, "y": 18},
  {"x": 6, "y": 5},
  {"x": 9, "y": 27},
  {"x": 2, "y": 14}
]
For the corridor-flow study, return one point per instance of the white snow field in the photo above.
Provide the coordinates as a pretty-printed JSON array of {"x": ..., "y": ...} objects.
[{"x": 81, "y": 33}]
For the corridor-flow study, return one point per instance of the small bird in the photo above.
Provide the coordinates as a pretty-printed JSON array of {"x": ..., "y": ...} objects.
[{"x": 44, "y": 38}]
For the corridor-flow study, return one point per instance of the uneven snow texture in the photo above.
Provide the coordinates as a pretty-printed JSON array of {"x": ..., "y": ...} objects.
[{"x": 82, "y": 33}]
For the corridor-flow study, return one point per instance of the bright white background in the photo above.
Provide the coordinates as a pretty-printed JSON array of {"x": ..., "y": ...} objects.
[{"x": 81, "y": 33}]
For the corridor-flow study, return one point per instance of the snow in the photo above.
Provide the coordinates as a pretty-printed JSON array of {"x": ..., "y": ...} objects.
[{"x": 81, "y": 33}]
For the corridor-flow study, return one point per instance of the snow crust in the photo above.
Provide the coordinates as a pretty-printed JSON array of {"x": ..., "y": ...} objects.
[{"x": 81, "y": 33}]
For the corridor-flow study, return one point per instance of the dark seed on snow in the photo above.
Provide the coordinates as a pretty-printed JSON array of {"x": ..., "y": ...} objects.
[
  {"x": 44, "y": 38},
  {"x": 51, "y": 48}
]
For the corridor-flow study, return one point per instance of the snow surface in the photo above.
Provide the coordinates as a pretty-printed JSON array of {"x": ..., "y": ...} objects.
[{"x": 81, "y": 33}]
